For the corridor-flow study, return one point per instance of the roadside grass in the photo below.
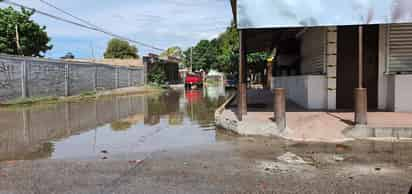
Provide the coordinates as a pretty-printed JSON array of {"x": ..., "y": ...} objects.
[
  {"x": 86, "y": 94},
  {"x": 48, "y": 99},
  {"x": 90, "y": 95},
  {"x": 30, "y": 101},
  {"x": 156, "y": 86},
  {"x": 120, "y": 125}
]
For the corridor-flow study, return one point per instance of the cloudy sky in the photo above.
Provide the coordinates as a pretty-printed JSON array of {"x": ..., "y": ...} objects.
[{"x": 162, "y": 23}]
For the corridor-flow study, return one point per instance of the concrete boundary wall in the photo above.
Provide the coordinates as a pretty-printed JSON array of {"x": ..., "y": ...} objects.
[
  {"x": 400, "y": 93},
  {"x": 33, "y": 77}
]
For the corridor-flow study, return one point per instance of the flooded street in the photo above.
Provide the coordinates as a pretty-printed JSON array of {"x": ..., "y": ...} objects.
[
  {"x": 113, "y": 125},
  {"x": 168, "y": 143}
]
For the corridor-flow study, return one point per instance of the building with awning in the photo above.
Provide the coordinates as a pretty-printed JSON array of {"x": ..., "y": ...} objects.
[{"x": 329, "y": 54}]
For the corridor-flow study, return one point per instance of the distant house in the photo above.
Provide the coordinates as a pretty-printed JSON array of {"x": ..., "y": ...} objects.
[
  {"x": 170, "y": 65},
  {"x": 114, "y": 62}
]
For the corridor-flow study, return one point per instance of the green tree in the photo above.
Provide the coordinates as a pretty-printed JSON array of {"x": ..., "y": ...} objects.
[
  {"x": 204, "y": 55},
  {"x": 221, "y": 53},
  {"x": 173, "y": 52},
  {"x": 33, "y": 38},
  {"x": 120, "y": 49},
  {"x": 228, "y": 49}
]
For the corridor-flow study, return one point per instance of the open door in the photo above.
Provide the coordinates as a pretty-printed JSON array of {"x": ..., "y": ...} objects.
[{"x": 347, "y": 65}]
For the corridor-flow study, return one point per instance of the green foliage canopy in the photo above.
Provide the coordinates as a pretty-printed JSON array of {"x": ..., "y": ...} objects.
[
  {"x": 120, "y": 49},
  {"x": 221, "y": 53},
  {"x": 34, "y": 40},
  {"x": 173, "y": 52}
]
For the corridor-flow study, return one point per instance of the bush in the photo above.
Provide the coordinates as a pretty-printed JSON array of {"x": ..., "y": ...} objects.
[{"x": 157, "y": 75}]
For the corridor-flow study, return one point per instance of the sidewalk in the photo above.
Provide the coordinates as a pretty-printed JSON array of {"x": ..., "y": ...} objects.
[{"x": 318, "y": 126}]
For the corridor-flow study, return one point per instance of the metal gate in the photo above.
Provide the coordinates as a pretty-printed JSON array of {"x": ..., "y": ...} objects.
[{"x": 399, "y": 48}]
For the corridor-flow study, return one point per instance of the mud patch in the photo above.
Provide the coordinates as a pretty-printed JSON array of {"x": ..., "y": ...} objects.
[{"x": 272, "y": 167}]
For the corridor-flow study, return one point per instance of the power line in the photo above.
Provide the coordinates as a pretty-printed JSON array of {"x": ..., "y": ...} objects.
[
  {"x": 69, "y": 14},
  {"x": 94, "y": 28}
]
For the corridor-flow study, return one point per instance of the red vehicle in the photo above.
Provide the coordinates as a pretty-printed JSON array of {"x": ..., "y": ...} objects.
[{"x": 193, "y": 79}]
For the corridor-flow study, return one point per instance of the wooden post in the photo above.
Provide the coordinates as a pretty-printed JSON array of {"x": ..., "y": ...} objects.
[
  {"x": 280, "y": 107},
  {"x": 361, "y": 99},
  {"x": 242, "y": 88},
  {"x": 269, "y": 75}
]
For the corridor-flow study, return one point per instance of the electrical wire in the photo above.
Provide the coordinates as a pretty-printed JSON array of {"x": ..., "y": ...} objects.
[
  {"x": 93, "y": 27},
  {"x": 68, "y": 13}
]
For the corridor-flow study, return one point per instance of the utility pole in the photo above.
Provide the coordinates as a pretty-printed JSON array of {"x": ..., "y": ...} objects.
[
  {"x": 92, "y": 50},
  {"x": 18, "y": 41},
  {"x": 191, "y": 59}
]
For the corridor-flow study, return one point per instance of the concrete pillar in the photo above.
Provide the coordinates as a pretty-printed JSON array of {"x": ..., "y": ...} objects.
[
  {"x": 67, "y": 80},
  {"x": 331, "y": 66},
  {"x": 129, "y": 77},
  {"x": 242, "y": 88},
  {"x": 23, "y": 71},
  {"x": 95, "y": 78},
  {"x": 361, "y": 97},
  {"x": 280, "y": 107},
  {"x": 116, "y": 77},
  {"x": 361, "y": 106},
  {"x": 383, "y": 90}
]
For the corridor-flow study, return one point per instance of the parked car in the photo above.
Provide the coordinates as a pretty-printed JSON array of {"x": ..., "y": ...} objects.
[
  {"x": 231, "y": 81},
  {"x": 193, "y": 79}
]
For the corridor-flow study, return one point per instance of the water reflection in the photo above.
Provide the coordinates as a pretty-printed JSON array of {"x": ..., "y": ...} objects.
[{"x": 119, "y": 124}]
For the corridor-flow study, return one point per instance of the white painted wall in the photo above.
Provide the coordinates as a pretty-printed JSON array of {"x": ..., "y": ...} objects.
[
  {"x": 401, "y": 98},
  {"x": 308, "y": 91}
]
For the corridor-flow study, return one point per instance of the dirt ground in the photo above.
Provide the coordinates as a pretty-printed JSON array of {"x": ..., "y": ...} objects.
[{"x": 233, "y": 165}]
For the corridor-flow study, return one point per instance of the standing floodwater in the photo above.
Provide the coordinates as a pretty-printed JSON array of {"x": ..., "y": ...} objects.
[{"x": 117, "y": 124}]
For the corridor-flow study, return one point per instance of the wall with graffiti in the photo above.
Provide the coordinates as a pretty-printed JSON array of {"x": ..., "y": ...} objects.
[{"x": 34, "y": 77}]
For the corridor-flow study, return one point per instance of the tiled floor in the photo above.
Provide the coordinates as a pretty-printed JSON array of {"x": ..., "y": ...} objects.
[{"x": 317, "y": 125}]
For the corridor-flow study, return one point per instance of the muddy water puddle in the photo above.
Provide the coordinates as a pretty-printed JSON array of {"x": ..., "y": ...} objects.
[
  {"x": 110, "y": 125},
  {"x": 173, "y": 120}
]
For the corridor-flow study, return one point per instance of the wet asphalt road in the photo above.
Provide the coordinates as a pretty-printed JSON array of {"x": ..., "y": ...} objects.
[{"x": 241, "y": 165}]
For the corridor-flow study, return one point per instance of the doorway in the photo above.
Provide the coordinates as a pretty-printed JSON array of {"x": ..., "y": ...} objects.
[{"x": 347, "y": 65}]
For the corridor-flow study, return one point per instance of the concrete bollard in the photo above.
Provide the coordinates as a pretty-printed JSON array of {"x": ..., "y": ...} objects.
[
  {"x": 280, "y": 107},
  {"x": 361, "y": 106}
]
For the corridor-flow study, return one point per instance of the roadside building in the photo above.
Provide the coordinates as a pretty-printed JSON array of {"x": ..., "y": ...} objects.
[
  {"x": 317, "y": 58},
  {"x": 170, "y": 66}
]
